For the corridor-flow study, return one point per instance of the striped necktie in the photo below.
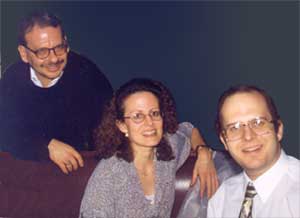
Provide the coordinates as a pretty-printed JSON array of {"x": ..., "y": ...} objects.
[{"x": 246, "y": 210}]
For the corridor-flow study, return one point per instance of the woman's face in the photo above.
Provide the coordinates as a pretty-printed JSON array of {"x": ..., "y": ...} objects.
[{"x": 141, "y": 132}]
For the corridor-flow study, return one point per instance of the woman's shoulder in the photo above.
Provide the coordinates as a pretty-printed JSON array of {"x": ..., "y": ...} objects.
[
  {"x": 185, "y": 128},
  {"x": 184, "y": 131},
  {"x": 110, "y": 166}
]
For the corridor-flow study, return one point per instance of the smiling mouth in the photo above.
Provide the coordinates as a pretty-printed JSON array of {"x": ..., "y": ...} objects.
[
  {"x": 254, "y": 148},
  {"x": 53, "y": 67},
  {"x": 149, "y": 133}
]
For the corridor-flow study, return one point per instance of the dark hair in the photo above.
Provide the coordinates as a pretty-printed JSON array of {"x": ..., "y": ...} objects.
[
  {"x": 40, "y": 18},
  {"x": 110, "y": 141},
  {"x": 246, "y": 89}
]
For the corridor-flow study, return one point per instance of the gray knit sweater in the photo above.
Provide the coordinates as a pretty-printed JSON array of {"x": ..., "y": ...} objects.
[{"x": 114, "y": 189}]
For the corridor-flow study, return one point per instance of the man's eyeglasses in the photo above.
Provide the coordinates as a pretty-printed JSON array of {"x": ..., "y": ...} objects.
[
  {"x": 259, "y": 125},
  {"x": 43, "y": 53},
  {"x": 139, "y": 117}
]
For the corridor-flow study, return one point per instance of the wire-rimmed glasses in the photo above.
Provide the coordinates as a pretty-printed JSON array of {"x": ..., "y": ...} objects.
[
  {"x": 235, "y": 131},
  {"x": 139, "y": 117}
]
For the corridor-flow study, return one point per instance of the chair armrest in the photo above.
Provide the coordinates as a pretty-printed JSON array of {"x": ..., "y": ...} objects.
[{"x": 182, "y": 183}]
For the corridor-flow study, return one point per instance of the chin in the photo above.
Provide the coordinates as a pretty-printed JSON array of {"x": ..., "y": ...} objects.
[
  {"x": 152, "y": 143},
  {"x": 253, "y": 166},
  {"x": 53, "y": 75}
]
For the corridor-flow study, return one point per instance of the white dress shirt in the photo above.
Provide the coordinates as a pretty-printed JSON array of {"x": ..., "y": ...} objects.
[
  {"x": 38, "y": 83},
  {"x": 278, "y": 192}
]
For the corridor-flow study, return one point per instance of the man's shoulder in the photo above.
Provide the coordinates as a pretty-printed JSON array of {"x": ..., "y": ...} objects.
[
  {"x": 294, "y": 168},
  {"x": 293, "y": 160},
  {"x": 224, "y": 197},
  {"x": 227, "y": 187},
  {"x": 80, "y": 67},
  {"x": 16, "y": 71},
  {"x": 78, "y": 61},
  {"x": 234, "y": 180},
  {"x": 231, "y": 183}
]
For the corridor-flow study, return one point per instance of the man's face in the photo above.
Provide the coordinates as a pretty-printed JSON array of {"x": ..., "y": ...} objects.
[
  {"x": 44, "y": 37},
  {"x": 256, "y": 153}
]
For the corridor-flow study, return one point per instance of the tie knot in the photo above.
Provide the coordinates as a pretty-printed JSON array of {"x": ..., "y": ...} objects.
[{"x": 250, "y": 191}]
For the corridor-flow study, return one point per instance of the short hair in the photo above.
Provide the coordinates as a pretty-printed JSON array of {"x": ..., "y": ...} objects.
[
  {"x": 109, "y": 140},
  {"x": 246, "y": 89},
  {"x": 40, "y": 18}
]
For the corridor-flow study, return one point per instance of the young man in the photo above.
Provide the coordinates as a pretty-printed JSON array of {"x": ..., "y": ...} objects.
[
  {"x": 250, "y": 128},
  {"x": 52, "y": 99}
]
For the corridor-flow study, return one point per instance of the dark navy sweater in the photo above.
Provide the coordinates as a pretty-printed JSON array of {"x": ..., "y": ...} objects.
[{"x": 31, "y": 116}]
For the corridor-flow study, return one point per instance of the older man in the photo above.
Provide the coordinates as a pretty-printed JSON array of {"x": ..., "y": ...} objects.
[
  {"x": 52, "y": 99},
  {"x": 250, "y": 128}
]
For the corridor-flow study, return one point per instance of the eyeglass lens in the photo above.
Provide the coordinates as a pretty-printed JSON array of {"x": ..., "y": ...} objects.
[
  {"x": 58, "y": 51},
  {"x": 140, "y": 117},
  {"x": 236, "y": 130}
]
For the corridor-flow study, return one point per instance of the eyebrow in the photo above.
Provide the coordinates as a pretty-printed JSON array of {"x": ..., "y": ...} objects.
[
  {"x": 230, "y": 124},
  {"x": 140, "y": 111},
  {"x": 258, "y": 117}
]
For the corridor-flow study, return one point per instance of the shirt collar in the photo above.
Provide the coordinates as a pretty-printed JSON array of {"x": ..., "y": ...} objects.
[
  {"x": 266, "y": 183},
  {"x": 38, "y": 83}
]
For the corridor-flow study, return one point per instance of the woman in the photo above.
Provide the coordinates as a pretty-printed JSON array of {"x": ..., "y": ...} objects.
[{"x": 142, "y": 146}]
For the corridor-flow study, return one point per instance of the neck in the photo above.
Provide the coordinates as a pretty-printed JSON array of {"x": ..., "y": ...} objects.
[
  {"x": 143, "y": 157},
  {"x": 45, "y": 84}
]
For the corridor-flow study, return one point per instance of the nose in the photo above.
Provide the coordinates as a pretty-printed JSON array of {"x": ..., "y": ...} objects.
[
  {"x": 148, "y": 120},
  {"x": 248, "y": 133},
  {"x": 52, "y": 56}
]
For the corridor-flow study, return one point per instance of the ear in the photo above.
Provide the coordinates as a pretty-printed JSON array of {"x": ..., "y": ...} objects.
[
  {"x": 65, "y": 39},
  {"x": 23, "y": 53},
  {"x": 122, "y": 126},
  {"x": 223, "y": 140},
  {"x": 280, "y": 130}
]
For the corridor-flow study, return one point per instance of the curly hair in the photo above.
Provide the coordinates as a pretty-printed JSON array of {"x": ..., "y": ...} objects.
[{"x": 109, "y": 140}]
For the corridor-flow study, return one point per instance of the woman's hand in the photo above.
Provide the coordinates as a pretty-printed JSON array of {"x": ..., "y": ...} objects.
[{"x": 205, "y": 169}]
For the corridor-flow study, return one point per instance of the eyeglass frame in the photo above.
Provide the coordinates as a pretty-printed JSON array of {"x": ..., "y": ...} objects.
[
  {"x": 64, "y": 43},
  {"x": 243, "y": 125},
  {"x": 144, "y": 116}
]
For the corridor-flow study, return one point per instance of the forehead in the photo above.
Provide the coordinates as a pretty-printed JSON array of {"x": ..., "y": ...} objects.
[
  {"x": 243, "y": 107},
  {"x": 142, "y": 101},
  {"x": 44, "y": 36}
]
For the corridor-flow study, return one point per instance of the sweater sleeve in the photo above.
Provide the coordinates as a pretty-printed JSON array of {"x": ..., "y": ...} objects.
[
  {"x": 16, "y": 137},
  {"x": 98, "y": 199},
  {"x": 101, "y": 92},
  {"x": 181, "y": 142},
  {"x": 15, "y": 140}
]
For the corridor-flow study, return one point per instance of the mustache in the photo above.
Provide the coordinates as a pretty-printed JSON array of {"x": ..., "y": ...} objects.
[{"x": 51, "y": 64}]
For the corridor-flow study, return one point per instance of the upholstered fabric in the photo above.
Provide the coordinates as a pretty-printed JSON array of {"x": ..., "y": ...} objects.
[
  {"x": 36, "y": 189},
  {"x": 41, "y": 190}
]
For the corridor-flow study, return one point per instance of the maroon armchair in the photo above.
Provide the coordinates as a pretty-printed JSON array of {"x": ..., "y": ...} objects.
[{"x": 41, "y": 190}]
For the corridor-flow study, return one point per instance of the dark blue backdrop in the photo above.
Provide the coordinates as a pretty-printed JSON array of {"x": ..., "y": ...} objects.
[{"x": 197, "y": 49}]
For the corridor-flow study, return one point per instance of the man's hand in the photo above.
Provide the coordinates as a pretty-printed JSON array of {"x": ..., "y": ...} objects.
[
  {"x": 65, "y": 156},
  {"x": 205, "y": 169}
]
